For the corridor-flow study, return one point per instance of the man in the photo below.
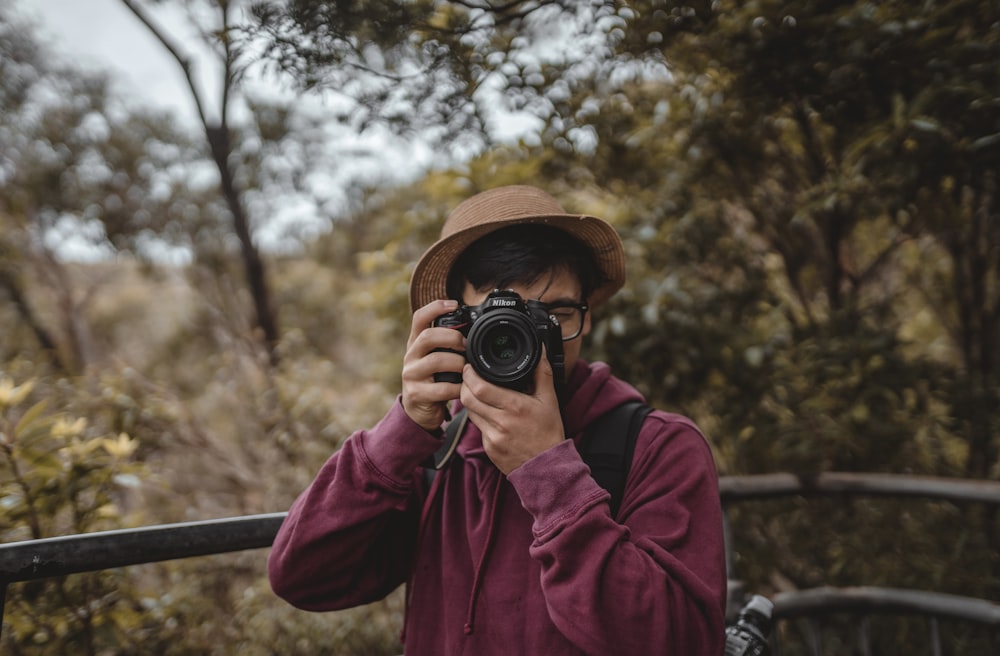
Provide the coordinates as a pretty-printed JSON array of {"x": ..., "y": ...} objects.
[{"x": 513, "y": 549}]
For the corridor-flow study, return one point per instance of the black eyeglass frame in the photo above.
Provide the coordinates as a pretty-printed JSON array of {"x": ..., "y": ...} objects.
[{"x": 581, "y": 307}]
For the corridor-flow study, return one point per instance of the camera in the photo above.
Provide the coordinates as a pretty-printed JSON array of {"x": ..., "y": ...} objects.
[
  {"x": 504, "y": 338},
  {"x": 749, "y": 636}
]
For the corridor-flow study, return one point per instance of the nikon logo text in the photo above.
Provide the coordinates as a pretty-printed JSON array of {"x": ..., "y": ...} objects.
[{"x": 503, "y": 302}]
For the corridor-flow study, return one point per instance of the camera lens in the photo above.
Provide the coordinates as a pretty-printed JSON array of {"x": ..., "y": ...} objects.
[{"x": 503, "y": 347}]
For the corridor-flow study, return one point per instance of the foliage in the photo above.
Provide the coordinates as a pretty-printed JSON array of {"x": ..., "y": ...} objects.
[
  {"x": 835, "y": 161},
  {"x": 58, "y": 475},
  {"x": 442, "y": 68},
  {"x": 807, "y": 193}
]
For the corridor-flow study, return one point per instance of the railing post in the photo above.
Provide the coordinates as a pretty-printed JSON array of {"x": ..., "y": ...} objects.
[
  {"x": 936, "y": 637},
  {"x": 865, "y": 635},
  {"x": 815, "y": 637}
]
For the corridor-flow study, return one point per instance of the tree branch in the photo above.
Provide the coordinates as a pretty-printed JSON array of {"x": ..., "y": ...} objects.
[{"x": 184, "y": 62}]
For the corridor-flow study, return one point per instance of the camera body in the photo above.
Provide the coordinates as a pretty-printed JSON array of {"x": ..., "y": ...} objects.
[
  {"x": 504, "y": 338},
  {"x": 749, "y": 636}
]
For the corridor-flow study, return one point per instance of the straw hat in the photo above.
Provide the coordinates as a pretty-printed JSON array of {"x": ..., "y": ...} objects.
[{"x": 504, "y": 206}]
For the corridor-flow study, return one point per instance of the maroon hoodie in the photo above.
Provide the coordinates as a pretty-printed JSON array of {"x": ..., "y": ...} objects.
[{"x": 528, "y": 564}]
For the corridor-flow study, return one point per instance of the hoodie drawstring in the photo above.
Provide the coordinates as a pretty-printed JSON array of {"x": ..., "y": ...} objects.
[{"x": 477, "y": 581}]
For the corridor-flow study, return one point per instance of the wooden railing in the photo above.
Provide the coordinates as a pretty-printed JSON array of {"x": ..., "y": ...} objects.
[{"x": 91, "y": 552}]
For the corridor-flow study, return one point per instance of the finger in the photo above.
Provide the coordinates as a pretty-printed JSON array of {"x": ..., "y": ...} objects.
[
  {"x": 482, "y": 392},
  {"x": 544, "y": 377},
  {"x": 445, "y": 348},
  {"x": 480, "y": 412},
  {"x": 434, "y": 393},
  {"x": 420, "y": 367},
  {"x": 425, "y": 316},
  {"x": 432, "y": 340}
]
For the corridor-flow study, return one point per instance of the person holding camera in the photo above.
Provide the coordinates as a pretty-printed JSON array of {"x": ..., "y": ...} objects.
[{"x": 512, "y": 546}]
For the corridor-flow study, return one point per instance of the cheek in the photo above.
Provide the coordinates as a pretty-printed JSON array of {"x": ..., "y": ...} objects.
[{"x": 571, "y": 349}]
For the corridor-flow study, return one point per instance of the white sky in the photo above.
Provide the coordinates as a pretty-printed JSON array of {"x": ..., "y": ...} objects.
[{"x": 103, "y": 34}]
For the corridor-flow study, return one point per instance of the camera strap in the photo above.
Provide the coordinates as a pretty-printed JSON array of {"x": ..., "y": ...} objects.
[{"x": 452, "y": 432}]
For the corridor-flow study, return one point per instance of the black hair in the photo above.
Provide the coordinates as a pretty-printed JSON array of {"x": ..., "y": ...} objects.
[{"x": 523, "y": 254}]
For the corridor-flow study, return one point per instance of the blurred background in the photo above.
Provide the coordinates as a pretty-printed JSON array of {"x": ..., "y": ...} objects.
[{"x": 210, "y": 209}]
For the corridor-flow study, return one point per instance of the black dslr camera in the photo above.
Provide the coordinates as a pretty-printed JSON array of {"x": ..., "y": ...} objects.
[{"x": 504, "y": 337}]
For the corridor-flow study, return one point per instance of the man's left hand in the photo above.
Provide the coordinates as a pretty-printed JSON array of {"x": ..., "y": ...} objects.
[{"x": 515, "y": 426}]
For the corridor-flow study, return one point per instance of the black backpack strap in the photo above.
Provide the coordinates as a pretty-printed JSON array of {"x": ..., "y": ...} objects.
[{"x": 608, "y": 444}]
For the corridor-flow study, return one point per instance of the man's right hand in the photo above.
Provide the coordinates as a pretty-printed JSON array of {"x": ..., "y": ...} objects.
[{"x": 424, "y": 400}]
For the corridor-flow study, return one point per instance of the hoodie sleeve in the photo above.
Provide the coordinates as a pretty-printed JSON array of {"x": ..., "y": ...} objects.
[
  {"x": 658, "y": 578},
  {"x": 348, "y": 539}
]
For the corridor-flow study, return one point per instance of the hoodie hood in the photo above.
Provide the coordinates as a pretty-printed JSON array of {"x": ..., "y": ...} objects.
[{"x": 593, "y": 391}]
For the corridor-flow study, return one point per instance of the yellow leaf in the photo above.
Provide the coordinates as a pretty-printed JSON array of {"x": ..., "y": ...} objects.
[
  {"x": 108, "y": 511},
  {"x": 122, "y": 447},
  {"x": 11, "y": 395},
  {"x": 63, "y": 428}
]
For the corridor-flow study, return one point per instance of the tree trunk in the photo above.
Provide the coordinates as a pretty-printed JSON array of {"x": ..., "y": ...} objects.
[
  {"x": 45, "y": 340},
  {"x": 218, "y": 138}
]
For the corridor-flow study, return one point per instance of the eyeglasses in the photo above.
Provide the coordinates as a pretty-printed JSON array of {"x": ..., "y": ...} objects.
[{"x": 570, "y": 318}]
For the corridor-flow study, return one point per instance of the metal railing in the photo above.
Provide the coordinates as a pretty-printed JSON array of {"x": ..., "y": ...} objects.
[
  {"x": 864, "y": 601},
  {"x": 91, "y": 552},
  {"x": 767, "y": 486}
]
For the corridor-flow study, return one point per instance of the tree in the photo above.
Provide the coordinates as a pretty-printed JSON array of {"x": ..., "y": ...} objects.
[
  {"x": 846, "y": 132},
  {"x": 79, "y": 167},
  {"x": 455, "y": 70},
  {"x": 219, "y": 139}
]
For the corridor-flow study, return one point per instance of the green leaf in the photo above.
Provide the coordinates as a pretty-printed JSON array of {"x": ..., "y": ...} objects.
[{"x": 31, "y": 422}]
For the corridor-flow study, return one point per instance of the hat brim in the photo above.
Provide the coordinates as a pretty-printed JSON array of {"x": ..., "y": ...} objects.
[{"x": 429, "y": 281}]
